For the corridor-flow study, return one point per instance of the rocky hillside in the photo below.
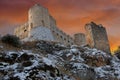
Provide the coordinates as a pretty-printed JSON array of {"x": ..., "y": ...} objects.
[{"x": 52, "y": 61}]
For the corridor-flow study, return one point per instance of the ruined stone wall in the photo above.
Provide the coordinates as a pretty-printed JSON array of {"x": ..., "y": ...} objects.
[
  {"x": 89, "y": 35},
  {"x": 58, "y": 34},
  {"x": 62, "y": 37},
  {"x": 79, "y": 39},
  {"x": 97, "y": 37},
  {"x": 38, "y": 16},
  {"x": 22, "y": 31}
]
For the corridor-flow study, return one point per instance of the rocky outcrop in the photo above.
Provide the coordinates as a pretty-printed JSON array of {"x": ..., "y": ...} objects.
[
  {"x": 27, "y": 66},
  {"x": 58, "y": 63}
]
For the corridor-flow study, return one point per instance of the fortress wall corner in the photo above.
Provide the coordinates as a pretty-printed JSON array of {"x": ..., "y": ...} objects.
[
  {"x": 52, "y": 22},
  {"x": 89, "y": 35},
  {"x": 38, "y": 16}
]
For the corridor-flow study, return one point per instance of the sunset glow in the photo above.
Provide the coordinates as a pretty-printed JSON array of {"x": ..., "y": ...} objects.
[{"x": 71, "y": 15}]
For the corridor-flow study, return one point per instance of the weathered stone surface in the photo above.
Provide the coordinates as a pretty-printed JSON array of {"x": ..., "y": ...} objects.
[
  {"x": 97, "y": 37},
  {"x": 40, "y": 33},
  {"x": 80, "y": 39},
  {"x": 39, "y": 16}
]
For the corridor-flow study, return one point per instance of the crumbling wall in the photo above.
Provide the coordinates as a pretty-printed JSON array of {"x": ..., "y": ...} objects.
[
  {"x": 79, "y": 39},
  {"x": 62, "y": 37},
  {"x": 58, "y": 34},
  {"x": 97, "y": 37},
  {"x": 22, "y": 31},
  {"x": 39, "y": 16}
]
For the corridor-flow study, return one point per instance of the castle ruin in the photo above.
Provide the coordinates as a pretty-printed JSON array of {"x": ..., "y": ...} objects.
[
  {"x": 42, "y": 26},
  {"x": 96, "y": 36}
]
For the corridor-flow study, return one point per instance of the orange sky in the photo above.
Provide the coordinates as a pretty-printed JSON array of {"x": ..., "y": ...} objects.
[{"x": 71, "y": 15}]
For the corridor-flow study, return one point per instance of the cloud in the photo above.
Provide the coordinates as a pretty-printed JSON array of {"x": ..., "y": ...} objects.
[{"x": 71, "y": 16}]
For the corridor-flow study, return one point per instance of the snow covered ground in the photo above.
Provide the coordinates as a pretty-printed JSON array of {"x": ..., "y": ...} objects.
[{"x": 75, "y": 63}]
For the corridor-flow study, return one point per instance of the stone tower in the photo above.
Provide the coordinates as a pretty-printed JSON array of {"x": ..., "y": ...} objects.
[
  {"x": 38, "y": 16},
  {"x": 97, "y": 37},
  {"x": 39, "y": 24},
  {"x": 79, "y": 39}
]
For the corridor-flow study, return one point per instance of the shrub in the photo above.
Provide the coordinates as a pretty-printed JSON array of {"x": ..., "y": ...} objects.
[{"x": 11, "y": 40}]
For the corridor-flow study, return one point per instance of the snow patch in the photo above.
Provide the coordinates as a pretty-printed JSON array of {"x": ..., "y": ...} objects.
[
  {"x": 48, "y": 62},
  {"x": 40, "y": 33}
]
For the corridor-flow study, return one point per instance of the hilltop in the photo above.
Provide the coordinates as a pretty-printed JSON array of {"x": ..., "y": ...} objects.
[{"x": 43, "y": 60}]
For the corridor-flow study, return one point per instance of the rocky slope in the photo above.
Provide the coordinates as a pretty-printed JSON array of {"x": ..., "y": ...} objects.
[{"x": 52, "y": 61}]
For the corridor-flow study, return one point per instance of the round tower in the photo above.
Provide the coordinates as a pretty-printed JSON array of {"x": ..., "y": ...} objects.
[
  {"x": 79, "y": 39},
  {"x": 38, "y": 16}
]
